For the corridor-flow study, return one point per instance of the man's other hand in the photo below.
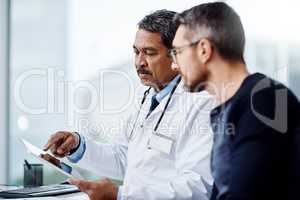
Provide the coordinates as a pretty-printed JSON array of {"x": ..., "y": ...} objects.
[{"x": 100, "y": 190}]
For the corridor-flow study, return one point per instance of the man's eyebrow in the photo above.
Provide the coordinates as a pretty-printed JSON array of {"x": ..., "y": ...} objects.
[
  {"x": 145, "y": 48},
  {"x": 149, "y": 49}
]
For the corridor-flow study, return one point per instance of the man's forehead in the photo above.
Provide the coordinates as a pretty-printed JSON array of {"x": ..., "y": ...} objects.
[
  {"x": 146, "y": 39},
  {"x": 183, "y": 34}
]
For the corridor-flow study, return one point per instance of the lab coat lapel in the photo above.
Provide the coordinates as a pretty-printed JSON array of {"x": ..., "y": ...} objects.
[{"x": 162, "y": 104}]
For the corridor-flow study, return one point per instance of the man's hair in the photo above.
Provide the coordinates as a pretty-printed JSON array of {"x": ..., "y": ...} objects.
[
  {"x": 223, "y": 25},
  {"x": 161, "y": 21}
]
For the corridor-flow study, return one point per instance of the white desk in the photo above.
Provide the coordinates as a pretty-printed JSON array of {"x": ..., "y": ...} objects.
[{"x": 74, "y": 196}]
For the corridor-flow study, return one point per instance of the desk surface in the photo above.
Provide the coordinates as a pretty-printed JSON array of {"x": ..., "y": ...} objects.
[{"x": 74, "y": 196}]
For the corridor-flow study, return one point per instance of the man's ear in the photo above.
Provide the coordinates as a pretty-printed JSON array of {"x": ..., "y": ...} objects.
[{"x": 204, "y": 50}]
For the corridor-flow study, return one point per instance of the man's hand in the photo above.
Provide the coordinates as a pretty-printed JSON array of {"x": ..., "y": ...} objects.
[
  {"x": 100, "y": 190},
  {"x": 50, "y": 159},
  {"x": 62, "y": 143}
]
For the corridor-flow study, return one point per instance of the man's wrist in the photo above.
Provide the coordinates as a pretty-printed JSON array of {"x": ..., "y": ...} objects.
[
  {"x": 77, "y": 135},
  {"x": 77, "y": 153}
]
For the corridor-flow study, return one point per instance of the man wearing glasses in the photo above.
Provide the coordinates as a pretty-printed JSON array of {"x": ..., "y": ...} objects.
[
  {"x": 164, "y": 152},
  {"x": 256, "y": 125}
]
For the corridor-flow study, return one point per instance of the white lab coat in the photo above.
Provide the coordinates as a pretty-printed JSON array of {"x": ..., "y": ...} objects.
[{"x": 149, "y": 173}]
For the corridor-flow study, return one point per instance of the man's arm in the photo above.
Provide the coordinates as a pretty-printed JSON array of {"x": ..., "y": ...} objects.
[
  {"x": 257, "y": 166},
  {"x": 104, "y": 159},
  {"x": 109, "y": 160},
  {"x": 261, "y": 154}
]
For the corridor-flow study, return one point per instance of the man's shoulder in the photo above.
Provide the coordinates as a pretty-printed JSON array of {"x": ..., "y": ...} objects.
[
  {"x": 267, "y": 104},
  {"x": 261, "y": 93}
]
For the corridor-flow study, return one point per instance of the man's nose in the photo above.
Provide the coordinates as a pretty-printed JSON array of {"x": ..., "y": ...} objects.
[
  {"x": 140, "y": 60},
  {"x": 175, "y": 67}
]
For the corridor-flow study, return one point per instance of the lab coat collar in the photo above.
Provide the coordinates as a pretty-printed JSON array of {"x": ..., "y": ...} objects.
[
  {"x": 164, "y": 100},
  {"x": 167, "y": 90}
]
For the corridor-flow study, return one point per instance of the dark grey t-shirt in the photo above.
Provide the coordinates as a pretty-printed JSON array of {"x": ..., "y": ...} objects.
[{"x": 221, "y": 151}]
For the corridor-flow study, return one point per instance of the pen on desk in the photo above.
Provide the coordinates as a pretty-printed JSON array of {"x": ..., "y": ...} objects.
[{"x": 27, "y": 165}]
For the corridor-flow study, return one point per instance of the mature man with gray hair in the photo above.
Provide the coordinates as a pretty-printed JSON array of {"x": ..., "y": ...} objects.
[
  {"x": 163, "y": 153},
  {"x": 256, "y": 151}
]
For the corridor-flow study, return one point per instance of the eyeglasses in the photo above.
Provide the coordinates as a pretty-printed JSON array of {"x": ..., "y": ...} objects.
[{"x": 175, "y": 51}]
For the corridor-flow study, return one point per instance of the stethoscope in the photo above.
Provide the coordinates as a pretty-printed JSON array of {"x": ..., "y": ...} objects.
[{"x": 162, "y": 114}]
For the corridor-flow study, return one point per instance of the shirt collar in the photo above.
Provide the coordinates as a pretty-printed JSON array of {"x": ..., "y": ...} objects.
[{"x": 166, "y": 90}]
